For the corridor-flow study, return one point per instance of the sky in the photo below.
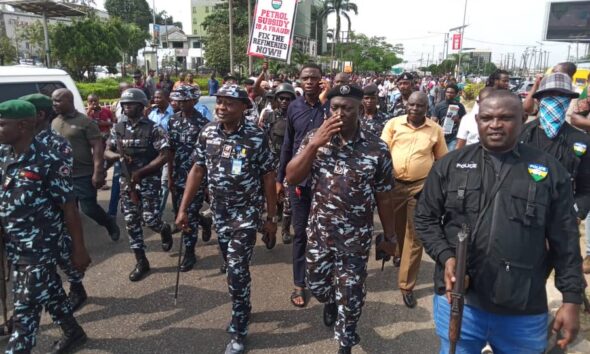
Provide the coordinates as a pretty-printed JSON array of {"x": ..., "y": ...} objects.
[{"x": 502, "y": 26}]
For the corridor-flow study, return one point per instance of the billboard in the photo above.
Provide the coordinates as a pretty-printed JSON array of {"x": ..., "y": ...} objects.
[
  {"x": 457, "y": 45},
  {"x": 568, "y": 21},
  {"x": 272, "y": 29}
]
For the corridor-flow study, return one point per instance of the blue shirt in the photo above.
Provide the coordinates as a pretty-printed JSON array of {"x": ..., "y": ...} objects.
[
  {"x": 161, "y": 119},
  {"x": 205, "y": 112},
  {"x": 301, "y": 119},
  {"x": 213, "y": 86}
]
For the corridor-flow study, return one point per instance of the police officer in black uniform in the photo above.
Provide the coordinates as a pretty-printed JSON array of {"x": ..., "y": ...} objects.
[
  {"x": 36, "y": 199},
  {"x": 235, "y": 155},
  {"x": 552, "y": 134},
  {"x": 275, "y": 124},
  {"x": 517, "y": 202},
  {"x": 142, "y": 147}
]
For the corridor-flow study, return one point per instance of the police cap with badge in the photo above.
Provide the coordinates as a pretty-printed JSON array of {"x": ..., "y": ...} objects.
[
  {"x": 17, "y": 110},
  {"x": 405, "y": 76},
  {"x": 349, "y": 91},
  {"x": 235, "y": 92}
]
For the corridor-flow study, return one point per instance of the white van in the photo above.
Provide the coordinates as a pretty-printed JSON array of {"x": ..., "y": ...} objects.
[{"x": 19, "y": 80}]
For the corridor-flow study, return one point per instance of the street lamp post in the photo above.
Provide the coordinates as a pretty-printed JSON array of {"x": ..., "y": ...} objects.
[
  {"x": 462, "y": 39},
  {"x": 231, "y": 38}
]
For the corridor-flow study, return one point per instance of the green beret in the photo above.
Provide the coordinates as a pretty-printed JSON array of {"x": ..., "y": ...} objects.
[
  {"x": 40, "y": 101},
  {"x": 17, "y": 109}
]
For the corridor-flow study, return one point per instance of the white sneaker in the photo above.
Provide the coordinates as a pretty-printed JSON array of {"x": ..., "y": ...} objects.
[{"x": 487, "y": 350}]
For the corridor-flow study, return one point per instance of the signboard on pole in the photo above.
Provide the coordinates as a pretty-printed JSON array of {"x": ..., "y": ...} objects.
[
  {"x": 457, "y": 41},
  {"x": 272, "y": 29}
]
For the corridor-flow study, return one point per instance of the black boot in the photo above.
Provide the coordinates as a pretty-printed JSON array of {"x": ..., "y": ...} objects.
[
  {"x": 73, "y": 337},
  {"x": 205, "y": 221},
  {"x": 344, "y": 350},
  {"x": 286, "y": 229},
  {"x": 113, "y": 229},
  {"x": 166, "y": 235},
  {"x": 189, "y": 260},
  {"x": 236, "y": 345},
  {"x": 141, "y": 268},
  {"x": 77, "y": 295},
  {"x": 330, "y": 314}
]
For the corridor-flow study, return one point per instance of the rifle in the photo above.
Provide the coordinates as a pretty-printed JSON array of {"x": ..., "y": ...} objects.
[
  {"x": 3, "y": 279},
  {"x": 458, "y": 292},
  {"x": 185, "y": 229},
  {"x": 125, "y": 159}
]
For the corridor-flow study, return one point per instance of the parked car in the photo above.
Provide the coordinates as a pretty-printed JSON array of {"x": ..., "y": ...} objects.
[
  {"x": 515, "y": 82},
  {"x": 102, "y": 72},
  {"x": 21, "y": 80}
]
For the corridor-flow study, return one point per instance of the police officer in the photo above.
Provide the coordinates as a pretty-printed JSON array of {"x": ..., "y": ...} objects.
[
  {"x": 235, "y": 156},
  {"x": 142, "y": 148},
  {"x": 183, "y": 133},
  {"x": 552, "y": 134},
  {"x": 351, "y": 173},
  {"x": 373, "y": 120},
  {"x": 35, "y": 201},
  {"x": 275, "y": 124},
  {"x": 45, "y": 135},
  {"x": 517, "y": 201},
  {"x": 404, "y": 85}
]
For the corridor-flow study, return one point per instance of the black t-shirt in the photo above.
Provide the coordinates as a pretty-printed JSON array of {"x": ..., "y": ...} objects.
[{"x": 440, "y": 111}]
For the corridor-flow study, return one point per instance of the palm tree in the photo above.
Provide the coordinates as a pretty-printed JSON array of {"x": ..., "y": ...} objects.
[{"x": 340, "y": 8}]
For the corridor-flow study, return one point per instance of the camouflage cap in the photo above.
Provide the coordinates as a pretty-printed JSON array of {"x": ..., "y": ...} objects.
[
  {"x": 234, "y": 91},
  {"x": 185, "y": 93},
  {"x": 39, "y": 100},
  {"x": 17, "y": 109}
]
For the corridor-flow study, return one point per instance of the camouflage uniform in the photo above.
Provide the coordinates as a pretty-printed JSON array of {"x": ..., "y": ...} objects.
[
  {"x": 399, "y": 108},
  {"x": 375, "y": 124},
  {"x": 141, "y": 142},
  {"x": 344, "y": 182},
  {"x": 275, "y": 126},
  {"x": 34, "y": 186},
  {"x": 61, "y": 145},
  {"x": 235, "y": 164},
  {"x": 183, "y": 136}
]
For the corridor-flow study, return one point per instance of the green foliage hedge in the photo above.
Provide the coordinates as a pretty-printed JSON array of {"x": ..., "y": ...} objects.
[
  {"x": 108, "y": 89},
  {"x": 471, "y": 91}
]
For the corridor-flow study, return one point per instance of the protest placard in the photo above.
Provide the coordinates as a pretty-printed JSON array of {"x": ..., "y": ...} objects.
[{"x": 272, "y": 29}]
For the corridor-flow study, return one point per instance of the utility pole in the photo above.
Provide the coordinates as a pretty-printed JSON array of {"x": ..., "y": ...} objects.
[
  {"x": 569, "y": 46},
  {"x": 154, "y": 38},
  {"x": 231, "y": 37},
  {"x": 249, "y": 32},
  {"x": 462, "y": 39}
]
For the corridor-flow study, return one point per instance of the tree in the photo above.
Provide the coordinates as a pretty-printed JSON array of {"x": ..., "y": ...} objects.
[
  {"x": 7, "y": 51},
  {"x": 128, "y": 38},
  {"x": 340, "y": 8},
  {"x": 130, "y": 11},
  {"x": 217, "y": 43},
  {"x": 34, "y": 34},
  {"x": 372, "y": 54},
  {"x": 163, "y": 18},
  {"x": 84, "y": 44}
]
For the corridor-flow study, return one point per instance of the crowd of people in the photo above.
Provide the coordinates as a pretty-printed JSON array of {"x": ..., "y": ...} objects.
[{"x": 317, "y": 153}]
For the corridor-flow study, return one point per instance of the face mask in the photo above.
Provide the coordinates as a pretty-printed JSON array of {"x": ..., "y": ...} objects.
[{"x": 552, "y": 112}]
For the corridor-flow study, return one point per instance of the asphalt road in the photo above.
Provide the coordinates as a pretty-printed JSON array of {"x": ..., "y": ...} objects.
[{"x": 125, "y": 317}]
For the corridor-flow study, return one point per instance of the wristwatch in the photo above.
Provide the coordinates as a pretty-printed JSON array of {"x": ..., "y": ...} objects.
[{"x": 273, "y": 219}]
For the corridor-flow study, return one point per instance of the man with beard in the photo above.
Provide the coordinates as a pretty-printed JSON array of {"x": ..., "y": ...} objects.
[
  {"x": 303, "y": 115},
  {"x": 404, "y": 84}
]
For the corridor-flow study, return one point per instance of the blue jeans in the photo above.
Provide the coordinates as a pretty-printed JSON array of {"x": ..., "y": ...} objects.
[
  {"x": 505, "y": 333},
  {"x": 587, "y": 226},
  {"x": 115, "y": 190}
]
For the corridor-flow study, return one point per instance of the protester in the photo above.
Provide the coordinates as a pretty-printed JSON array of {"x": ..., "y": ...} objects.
[
  {"x": 448, "y": 114},
  {"x": 468, "y": 133}
]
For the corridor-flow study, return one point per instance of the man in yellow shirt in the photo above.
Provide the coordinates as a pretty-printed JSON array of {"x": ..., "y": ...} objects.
[{"x": 415, "y": 142}]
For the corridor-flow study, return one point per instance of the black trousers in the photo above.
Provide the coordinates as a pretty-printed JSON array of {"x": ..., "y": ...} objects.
[{"x": 300, "y": 206}]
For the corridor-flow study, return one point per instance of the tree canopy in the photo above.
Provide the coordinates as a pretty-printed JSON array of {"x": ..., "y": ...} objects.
[
  {"x": 130, "y": 11},
  {"x": 368, "y": 53}
]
